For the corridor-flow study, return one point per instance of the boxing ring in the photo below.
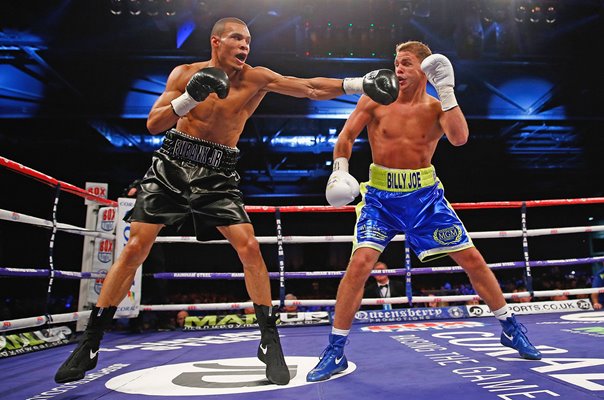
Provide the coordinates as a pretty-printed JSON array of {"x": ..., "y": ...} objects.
[{"x": 391, "y": 351}]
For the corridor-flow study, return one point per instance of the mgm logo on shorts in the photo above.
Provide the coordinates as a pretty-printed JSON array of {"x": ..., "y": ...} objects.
[{"x": 448, "y": 236}]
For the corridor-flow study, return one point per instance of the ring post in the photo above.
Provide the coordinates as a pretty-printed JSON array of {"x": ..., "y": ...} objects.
[
  {"x": 527, "y": 271},
  {"x": 51, "y": 247},
  {"x": 408, "y": 288},
  {"x": 281, "y": 258}
]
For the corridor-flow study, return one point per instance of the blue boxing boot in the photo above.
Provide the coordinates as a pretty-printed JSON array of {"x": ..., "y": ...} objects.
[
  {"x": 513, "y": 336},
  {"x": 332, "y": 360}
]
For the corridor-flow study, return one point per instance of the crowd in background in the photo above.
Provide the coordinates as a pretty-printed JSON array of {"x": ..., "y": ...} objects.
[{"x": 202, "y": 292}]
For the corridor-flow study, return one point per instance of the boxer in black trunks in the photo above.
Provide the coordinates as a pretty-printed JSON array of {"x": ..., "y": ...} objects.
[{"x": 204, "y": 108}]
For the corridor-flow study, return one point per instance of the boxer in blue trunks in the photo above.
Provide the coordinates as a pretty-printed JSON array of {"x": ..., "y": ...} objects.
[
  {"x": 404, "y": 195},
  {"x": 410, "y": 201}
]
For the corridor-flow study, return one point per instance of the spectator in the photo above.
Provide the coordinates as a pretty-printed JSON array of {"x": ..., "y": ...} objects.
[
  {"x": 435, "y": 303},
  {"x": 520, "y": 289},
  {"x": 181, "y": 316},
  {"x": 558, "y": 285},
  {"x": 382, "y": 287},
  {"x": 290, "y": 309},
  {"x": 249, "y": 310}
]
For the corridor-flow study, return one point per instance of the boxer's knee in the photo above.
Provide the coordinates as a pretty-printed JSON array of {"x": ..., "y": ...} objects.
[
  {"x": 472, "y": 261},
  {"x": 134, "y": 253},
  {"x": 360, "y": 266},
  {"x": 249, "y": 250}
]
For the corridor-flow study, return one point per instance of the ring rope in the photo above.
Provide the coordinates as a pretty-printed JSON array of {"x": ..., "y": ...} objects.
[
  {"x": 33, "y": 272},
  {"x": 15, "y": 166},
  {"x": 23, "y": 323},
  {"x": 457, "y": 206},
  {"x": 30, "y": 322},
  {"x": 49, "y": 180},
  {"x": 22, "y": 218},
  {"x": 397, "y": 238},
  {"x": 300, "y": 274},
  {"x": 28, "y": 219},
  {"x": 537, "y": 203},
  {"x": 394, "y": 271},
  {"x": 368, "y": 302}
]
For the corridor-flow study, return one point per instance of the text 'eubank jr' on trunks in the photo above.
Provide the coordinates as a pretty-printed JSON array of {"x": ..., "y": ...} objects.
[{"x": 196, "y": 152}]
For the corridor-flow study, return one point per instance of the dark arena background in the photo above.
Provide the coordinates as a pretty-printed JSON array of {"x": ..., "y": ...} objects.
[{"x": 77, "y": 82}]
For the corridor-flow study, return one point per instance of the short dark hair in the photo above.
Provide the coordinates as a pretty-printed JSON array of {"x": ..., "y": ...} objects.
[{"x": 218, "y": 28}]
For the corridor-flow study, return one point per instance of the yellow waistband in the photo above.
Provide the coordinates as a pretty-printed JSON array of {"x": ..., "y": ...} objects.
[{"x": 401, "y": 180}]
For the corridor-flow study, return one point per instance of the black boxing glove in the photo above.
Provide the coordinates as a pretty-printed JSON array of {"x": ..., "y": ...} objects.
[
  {"x": 202, "y": 83},
  {"x": 380, "y": 85}
]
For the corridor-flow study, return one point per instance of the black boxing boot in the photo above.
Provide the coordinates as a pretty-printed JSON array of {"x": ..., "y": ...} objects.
[
  {"x": 85, "y": 355},
  {"x": 269, "y": 350}
]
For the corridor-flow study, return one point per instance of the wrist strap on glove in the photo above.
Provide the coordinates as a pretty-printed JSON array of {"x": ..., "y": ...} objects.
[
  {"x": 183, "y": 104},
  {"x": 340, "y": 164},
  {"x": 352, "y": 85},
  {"x": 447, "y": 98}
]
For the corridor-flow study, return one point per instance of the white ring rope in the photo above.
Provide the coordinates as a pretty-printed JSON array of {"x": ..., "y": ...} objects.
[
  {"x": 366, "y": 302},
  {"x": 22, "y": 218},
  {"x": 28, "y": 219},
  {"x": 22, "y": 323},
  {"x": 397, "y": 238},
  {"x": 30, "y": 322}
]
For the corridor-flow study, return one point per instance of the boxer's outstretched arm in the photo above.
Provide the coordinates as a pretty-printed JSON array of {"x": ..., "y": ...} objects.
[
  {"x": 312, "y": 88},
  {"x": 381, "y": 86}
]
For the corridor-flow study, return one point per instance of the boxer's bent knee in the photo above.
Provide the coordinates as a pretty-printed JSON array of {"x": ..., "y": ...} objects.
[
  {"x": 248, "y": 249},
  {"x": 135, "y": 253}
]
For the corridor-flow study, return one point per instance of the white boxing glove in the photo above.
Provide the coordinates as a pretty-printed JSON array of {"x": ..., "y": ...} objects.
[
  {"x": 342, "y": 188},
  {"x": 440, "y": 74}
]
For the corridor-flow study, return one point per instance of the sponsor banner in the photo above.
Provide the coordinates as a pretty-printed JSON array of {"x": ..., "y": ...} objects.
[
  {"x": 97, "y": 189},
  {"x": 27, "y": 342},
  {"x": 102, "y": 256},
  {"x": 106, "y": 219},
  {"x": 408, "y": 314},
  {"x": 422, "y": 326},
  {"x": 542, "y": 307},
  {"x": 129, "y": 307},
  {"x": 233, "y": 321}
]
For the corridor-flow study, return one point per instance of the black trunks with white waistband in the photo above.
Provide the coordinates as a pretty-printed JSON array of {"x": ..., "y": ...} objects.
[{"x": 191, "y": 178}]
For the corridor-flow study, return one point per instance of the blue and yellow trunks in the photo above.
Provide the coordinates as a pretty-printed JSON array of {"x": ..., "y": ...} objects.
[{"x": 410, "y": 202}]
